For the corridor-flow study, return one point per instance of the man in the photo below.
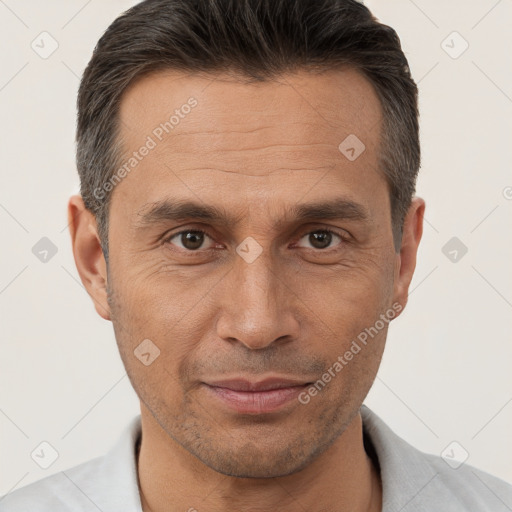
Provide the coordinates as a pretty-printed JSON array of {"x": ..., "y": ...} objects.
[{"x": 247, "y": 221}]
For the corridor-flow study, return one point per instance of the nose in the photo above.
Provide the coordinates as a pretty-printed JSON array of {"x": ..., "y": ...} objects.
[{"x": 257, "y": 305}]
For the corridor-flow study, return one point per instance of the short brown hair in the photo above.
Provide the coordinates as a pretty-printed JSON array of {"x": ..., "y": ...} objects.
[{"x": 259, "y": 39}]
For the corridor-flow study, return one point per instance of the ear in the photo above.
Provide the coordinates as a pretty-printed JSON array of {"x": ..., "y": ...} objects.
[
  {"x": 89, "y": 258},
  {"x": 405, "y": 262}
]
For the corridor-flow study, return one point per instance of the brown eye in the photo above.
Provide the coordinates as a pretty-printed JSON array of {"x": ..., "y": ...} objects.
[
  {"x": 321, "y": 239},
  {"x": 190, "y": 240}
]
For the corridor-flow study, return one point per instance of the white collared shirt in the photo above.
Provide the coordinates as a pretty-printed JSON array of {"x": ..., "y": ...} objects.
[{"x": 411, "y": 480}]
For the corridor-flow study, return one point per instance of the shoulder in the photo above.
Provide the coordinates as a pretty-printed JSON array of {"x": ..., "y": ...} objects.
[
  {"x": 468, "y": 487},
  {"x": 414, "y": 480},
  {"x": 108, "y": 483},
  {"x": 58, "y": 492}
]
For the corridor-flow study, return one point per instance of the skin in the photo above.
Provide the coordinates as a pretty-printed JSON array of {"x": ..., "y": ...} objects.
[{"x": 256, "y": 150}]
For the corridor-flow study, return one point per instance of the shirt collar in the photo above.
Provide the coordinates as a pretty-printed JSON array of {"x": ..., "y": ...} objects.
[
  {"x": 403, "y": 470},
  {"x": 118, "y": 471}
]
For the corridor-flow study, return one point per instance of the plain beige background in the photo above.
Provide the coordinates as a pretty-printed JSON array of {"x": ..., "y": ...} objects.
[{"x": 446, "y": 373}]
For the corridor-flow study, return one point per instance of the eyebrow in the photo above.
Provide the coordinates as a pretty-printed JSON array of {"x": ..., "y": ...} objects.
[{"x": 179, "y": 210}]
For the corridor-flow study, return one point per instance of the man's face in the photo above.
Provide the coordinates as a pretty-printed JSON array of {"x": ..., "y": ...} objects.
[{"x": 258, "y": 153}]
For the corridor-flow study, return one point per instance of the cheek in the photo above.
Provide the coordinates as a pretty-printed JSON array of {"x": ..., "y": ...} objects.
[
  {"x": 349, "y": 374},
  {"x": 346, "y": 302},
  {"x": 176, "y": 309},
  {"x": 154, "y": 355},
  {"x": 160, "y": 291},
  {"x": 348, "y": 327},
  {"x": 153, "y": 332}
]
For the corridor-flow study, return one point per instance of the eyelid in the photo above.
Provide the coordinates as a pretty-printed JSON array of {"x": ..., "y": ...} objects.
[
  {"x": 167, "y": 238},
  {"x": 341, "y": 233}
]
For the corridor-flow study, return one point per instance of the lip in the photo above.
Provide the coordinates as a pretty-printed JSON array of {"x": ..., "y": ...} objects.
[
  {"x": 262, "y": 397},
  {"x": 241, "y": 384}
]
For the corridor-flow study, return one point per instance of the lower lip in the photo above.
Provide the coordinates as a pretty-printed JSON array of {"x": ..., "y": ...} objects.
[{"x": 256, "y": 402}]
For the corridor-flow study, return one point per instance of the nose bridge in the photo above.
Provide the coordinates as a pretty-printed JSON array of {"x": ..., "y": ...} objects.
[
  {"x": 256, "y": 312},
  {"x": 257, "y": 283}
]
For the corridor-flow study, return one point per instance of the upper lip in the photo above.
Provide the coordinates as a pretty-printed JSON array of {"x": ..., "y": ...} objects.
[{"x": 241, "y": 384}]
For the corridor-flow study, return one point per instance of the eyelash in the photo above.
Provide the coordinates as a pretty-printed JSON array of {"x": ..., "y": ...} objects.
[{"x": 344, "y": 239}]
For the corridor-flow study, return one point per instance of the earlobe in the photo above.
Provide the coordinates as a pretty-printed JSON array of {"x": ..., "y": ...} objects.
[
  {"x": 89, "y": 258},
  {"x": 406, "y": 259}
]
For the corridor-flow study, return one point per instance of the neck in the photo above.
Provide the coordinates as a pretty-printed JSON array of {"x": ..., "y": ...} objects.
[{"x": 342, "y": 478}]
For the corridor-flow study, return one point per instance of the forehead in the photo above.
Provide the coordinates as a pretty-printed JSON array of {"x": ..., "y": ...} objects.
[
  {"x": 217, "y": 135},
  {"x": 314, "y": 102}
]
